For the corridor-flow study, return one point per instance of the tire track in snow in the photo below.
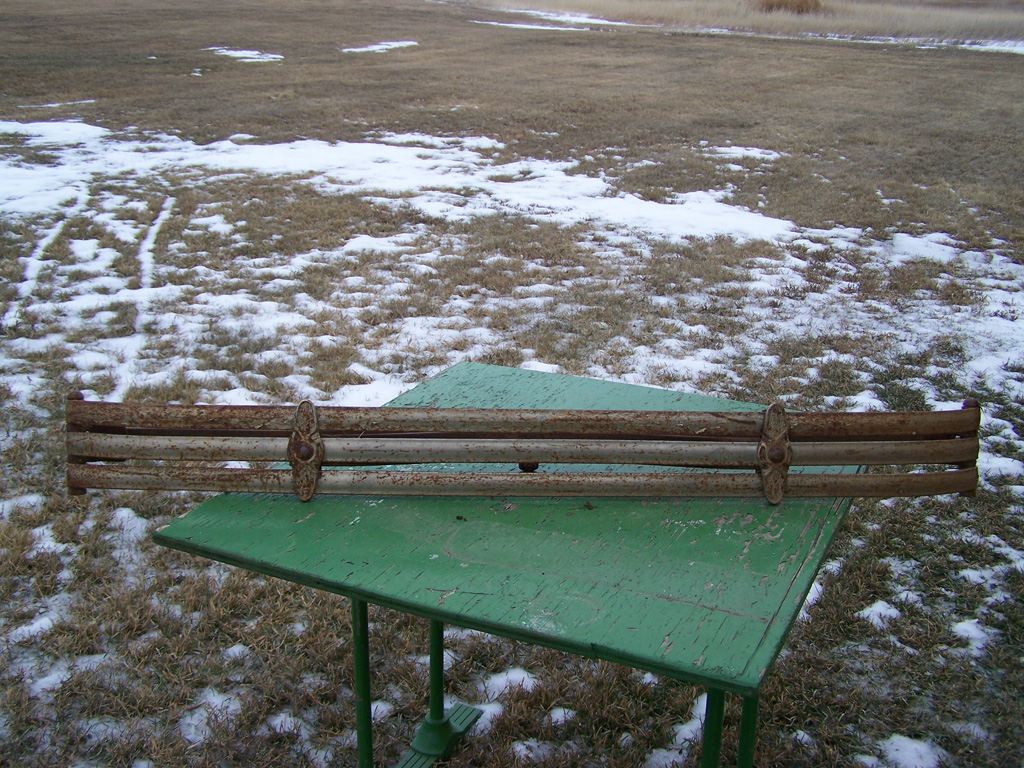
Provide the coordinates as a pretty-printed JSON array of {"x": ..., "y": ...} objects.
[
  {"x": 128, "y": 370},
  {"x": 145, "y": 255},
  {"x": 34, "y": 262}
]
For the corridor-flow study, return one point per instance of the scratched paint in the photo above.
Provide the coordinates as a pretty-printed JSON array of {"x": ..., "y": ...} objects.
[{"x": 601, "y": 577}]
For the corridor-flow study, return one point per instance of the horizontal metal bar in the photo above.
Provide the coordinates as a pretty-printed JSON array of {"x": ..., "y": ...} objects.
[
  {"x": 883, "y": 452},
  {"x": 882, "y": 486},
  {"x": 389, "y": 483},
  {"x": 335, "y": 420},
  {"x": 919, "y": 425},
  {"x": 674, "y": 484},
  {"x": 377, "y": 450},
  {"x": 178, "y": 478},
  {"x": 94, "y": 446},
  {"x": 511, "y": 423}
]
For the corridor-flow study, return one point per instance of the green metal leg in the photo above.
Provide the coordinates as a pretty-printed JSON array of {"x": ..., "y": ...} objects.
[
  {"x": 713, "y": 716},
  {"x": 361, "y": 662},
  {"x": 436, "y": 670},
  {"x": 440, "y": 732},
  {"x": 748, "y": 732}
]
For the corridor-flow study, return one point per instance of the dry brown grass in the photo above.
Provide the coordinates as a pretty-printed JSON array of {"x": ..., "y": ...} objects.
[
  {"x": 789, "y": 6},
  {"x": 929, "y": 19},
  {"x": 933, "y": 131},
  {"x": 900, "y": 141}
]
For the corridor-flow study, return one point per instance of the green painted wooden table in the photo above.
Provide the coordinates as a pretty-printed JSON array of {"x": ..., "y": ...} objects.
[{"x": 702, "y": 590}]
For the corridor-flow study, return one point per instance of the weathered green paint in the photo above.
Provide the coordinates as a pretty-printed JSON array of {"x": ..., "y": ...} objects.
[
  {"x": 361, "y": 673},
  {"x": 748, "y": 732},
  {"x": 436, "y": 670},
  {"x": 457, "y": 721},
  {"x": 714, "y": 713},
  {"x": 697, "y": 589},
  {"x": 441, "y": 730}
]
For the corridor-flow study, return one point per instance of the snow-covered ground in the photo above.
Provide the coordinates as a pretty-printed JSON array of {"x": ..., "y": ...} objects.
[
  {"x": 580, "y": 21},
  {"x": 70, "y": 300},
  {"x": 456, "y": 179}
]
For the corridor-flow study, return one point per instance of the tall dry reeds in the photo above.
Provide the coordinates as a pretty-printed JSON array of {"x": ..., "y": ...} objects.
[
  {"x": 999, "y": 20},
  {"x": 789, "y": 6}
]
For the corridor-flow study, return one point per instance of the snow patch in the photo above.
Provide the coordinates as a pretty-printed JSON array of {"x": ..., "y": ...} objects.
[
  {"x": 903, "y": 752},
  {"x": 210, "y": 706},
  {"x": 24, "y": 503},
  {"x": 976, "y": 635},
  {"x": 561, "y": 715},
  {"x": 879, "y": 614},
  {"x": 491, "y": 711},
  {"x": 381, "y": 47},
  {"x": 499, "y": 684},
  {"x": 245, "y": 55},
  {"x": 533, "y": 750},
  {"x": 683, "y": 736}
]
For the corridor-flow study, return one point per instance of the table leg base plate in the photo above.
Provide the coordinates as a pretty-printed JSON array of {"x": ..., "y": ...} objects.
[{"x": 435, "y": 740}]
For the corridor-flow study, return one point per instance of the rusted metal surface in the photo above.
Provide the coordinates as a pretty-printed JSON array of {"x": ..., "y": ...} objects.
[
  {"x": 883, "y": 486},
  {"x": 756, "y": 450},
  {"x": 884, "y": 426},
  {"x": 875, "y": 453},
  {"x": 344, "y": 451},
  {"x": 581, "y": 484},
  {"x": 167, "y": 477},
  {"x": 100, "y": 446},
  {"x": 73, "y": 399},
  {"x": 774, "y": 454},
  {"x": 305, "y": 451},
  {"x": 341, "y": 451},
  {"x": 141, "y": 418}
]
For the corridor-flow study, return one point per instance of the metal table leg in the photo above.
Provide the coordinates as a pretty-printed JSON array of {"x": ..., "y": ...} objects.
[
  {"x": 361, "y": 663},
  {"x": 440, "y": 732},
  {"x": 748, "y": 732},
  {"x": 713, "y": 716}
]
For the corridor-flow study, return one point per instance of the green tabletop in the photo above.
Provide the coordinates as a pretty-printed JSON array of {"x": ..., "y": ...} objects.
[{"x": 703, "y": 590}]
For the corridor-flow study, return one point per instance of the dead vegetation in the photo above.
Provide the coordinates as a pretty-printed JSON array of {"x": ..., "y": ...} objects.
[
  {"x": 790, "y": 6},
  {"x": 925, "y": 19},
  {"x": 143, "y": 642}
]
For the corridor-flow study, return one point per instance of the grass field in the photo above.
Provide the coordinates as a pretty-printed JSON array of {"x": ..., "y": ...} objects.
[
  {"x": 948, "y": 20},
  {"x": 830, "y": 223}
]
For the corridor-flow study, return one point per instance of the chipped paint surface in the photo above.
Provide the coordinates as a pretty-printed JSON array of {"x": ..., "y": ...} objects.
[{"x": 709, "y": 598}]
